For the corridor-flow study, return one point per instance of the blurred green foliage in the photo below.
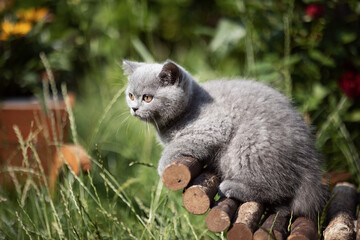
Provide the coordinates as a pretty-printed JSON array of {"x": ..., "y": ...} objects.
[{"x": 303, "y": 48}]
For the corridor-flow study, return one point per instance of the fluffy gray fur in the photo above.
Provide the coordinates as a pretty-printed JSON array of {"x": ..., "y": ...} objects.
[{"x": 246, "y": 131}]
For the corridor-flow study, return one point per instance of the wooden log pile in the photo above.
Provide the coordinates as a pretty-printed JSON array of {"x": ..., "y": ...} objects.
[
  {"x": 250, "y": 220},
  {"x": 341, "y": 213}
]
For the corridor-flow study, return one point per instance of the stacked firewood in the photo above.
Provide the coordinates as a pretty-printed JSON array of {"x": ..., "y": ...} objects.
[{"x": 249, "y": 220}]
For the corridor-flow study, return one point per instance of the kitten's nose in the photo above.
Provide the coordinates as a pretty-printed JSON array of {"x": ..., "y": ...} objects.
[{"x": 135, "y": 109}]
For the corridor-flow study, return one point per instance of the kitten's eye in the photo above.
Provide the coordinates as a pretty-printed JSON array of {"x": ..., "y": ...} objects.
[
  {"x": 131, "y": 96},
  {"x": 147, "y": 98}
]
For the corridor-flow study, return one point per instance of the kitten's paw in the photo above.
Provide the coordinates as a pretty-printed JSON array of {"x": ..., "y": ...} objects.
[{"x": 229, "y": 189}]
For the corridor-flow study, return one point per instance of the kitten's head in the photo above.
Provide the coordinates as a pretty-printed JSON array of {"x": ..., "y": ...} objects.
[{"x": 156, "y": 92}]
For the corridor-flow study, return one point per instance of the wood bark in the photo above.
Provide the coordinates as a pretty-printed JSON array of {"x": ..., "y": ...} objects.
[
  {"x": 199, "y": 196},
  {"x": 331, "y": 178},
  {"x": 303, "y": 229},
  {"x": 219, "y": 217},
  {"x": 273, "y": 227},
  {"x": 341, "y": 213},
  {"x": 178, "y": 174},
  {"x": 246, "y": 221}
]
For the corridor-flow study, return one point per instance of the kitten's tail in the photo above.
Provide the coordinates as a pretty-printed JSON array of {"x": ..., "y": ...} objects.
[{"x": 310, "y": 198}]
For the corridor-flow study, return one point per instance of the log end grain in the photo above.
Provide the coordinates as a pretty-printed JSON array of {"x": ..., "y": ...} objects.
[
  {"x": 303, "y": 229},
  {"x": 340, "y": 227},
  {"x": 277, "y": 225},
  {"x": 196, "y": 201},
  {"x": 219, "y": 217},
  {"x": 239, "y": 231},
  {"x": 217, "y": 220},
  {"x": 299, "y": 237},
  {"x": 246, "y": 220},
  {"x": 341, "y": 213},
  {"x": 199, "y": 195},
  {"x": 249, "y": 214},
  {"x": 264, "y": 234},
  {"x": 178, "y": 174}
]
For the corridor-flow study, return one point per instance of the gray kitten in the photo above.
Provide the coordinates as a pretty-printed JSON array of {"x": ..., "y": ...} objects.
[{"x": 246, "y": 131}]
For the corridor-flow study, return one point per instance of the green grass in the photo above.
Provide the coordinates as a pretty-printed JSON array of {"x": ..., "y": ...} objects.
[{"x": 108, "y": 209}]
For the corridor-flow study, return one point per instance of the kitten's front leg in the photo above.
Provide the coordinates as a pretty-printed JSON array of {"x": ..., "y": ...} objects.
[
  {"x": 202, "y": 142},
  {"x": 200, "y": 149},
  {"x": 168, "y": 156}
]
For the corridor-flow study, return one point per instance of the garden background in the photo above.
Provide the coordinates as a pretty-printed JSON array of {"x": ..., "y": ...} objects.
[{"x": 309, "y": 50}]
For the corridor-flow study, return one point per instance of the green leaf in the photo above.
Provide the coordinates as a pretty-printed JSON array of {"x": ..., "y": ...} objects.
[
  {"x": 347, "y": 37},
  {"x": 227, "y": 33},
  {"x": 60, "y": 60},
  {"x": 262, "y": 67},
  {"x": 142, "y": 50},
  {"x": 353, "y": 116},
  {"x": 321, "y": 58},
  {"x": 319, "y": 92},
  {"x": 312, "y": 1},
  {"x": 292, "y": 60}
]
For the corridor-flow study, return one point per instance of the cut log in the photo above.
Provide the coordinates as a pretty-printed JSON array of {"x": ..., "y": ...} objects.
[
  {"x": 341, "y": 213},
  {"x": 246, "y": 221},
  {"x": 340, "y": 227},
  {"x": 178, "y": 174},
  {"x": 271, "y": 228},
  {"x": 199, "y": 196},
  {"x": 303, "y": 229},
  {"x": 331, "y": 178},
  {"x": 219, "y": 217}
]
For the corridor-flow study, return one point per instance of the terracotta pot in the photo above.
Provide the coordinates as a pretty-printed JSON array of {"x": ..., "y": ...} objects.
[{"x": 45, "y": 130}]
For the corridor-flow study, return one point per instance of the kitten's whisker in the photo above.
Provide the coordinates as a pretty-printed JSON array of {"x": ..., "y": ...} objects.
[
  {"x": 125, "y": 119},
  {"x": 121, "y": 114},
  {"x": 127, "y": 127},
  {"x": 122, "y": 122},
  {"x": 148, "y": 127},
  {"x": 156, "y": 125},
  {"x": 142, "y": 129},
  {"x": 145, "y": 129}
]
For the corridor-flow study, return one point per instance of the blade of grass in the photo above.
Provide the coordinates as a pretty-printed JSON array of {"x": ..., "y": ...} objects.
[
  {"x": 104, "y": 115},
  {"x": 57, "y": 224},
  {"x": 250, "y": 55},
  {"x": 54, "y": 91},
  {"x": 191, "y": 226},
  {"x": 341, "y": 106},
  {"x": 70, "y": 113},
  {"x": 22, "y": 225},
  {"x": 271, "y": 235},
  {"x": 31, "y": 222},
  {"x": 352, "y": 152},
  {"x": 287, "y": 48},
  {"x": 127, "y": 203},
  {"x": 155, "y": 203},
  {"x": 142, "y": 50}
]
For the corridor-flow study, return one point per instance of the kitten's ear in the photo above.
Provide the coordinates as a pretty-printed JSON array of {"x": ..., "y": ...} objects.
[
  {"x": 170, "y": 74},
  {"x": 129, "y": 67}
]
